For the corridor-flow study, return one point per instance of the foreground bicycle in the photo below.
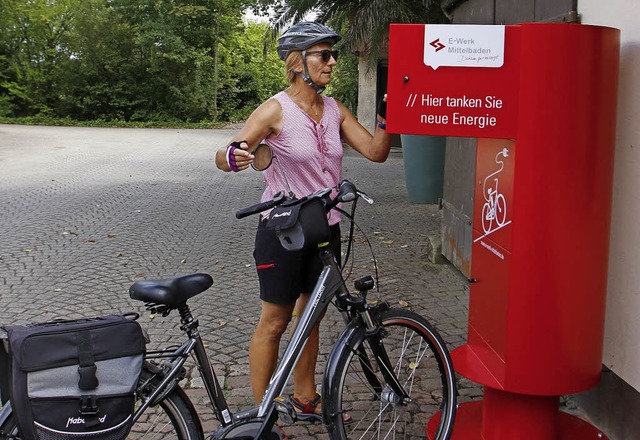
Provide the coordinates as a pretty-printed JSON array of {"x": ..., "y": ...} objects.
[{"x": 389, "y": 369}]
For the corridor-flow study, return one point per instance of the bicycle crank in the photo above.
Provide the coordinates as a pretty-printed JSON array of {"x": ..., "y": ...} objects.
[{"x": 247, "y": 431}]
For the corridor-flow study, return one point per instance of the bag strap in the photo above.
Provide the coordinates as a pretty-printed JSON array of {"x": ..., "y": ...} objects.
[{"x": 87, "y": 366}]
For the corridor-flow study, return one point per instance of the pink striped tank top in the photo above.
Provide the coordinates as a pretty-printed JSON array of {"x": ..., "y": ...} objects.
[{"x": 309, "y": 152}]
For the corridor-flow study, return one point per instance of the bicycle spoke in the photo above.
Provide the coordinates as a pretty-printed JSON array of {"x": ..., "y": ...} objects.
[{"x": 426, "y": 376}]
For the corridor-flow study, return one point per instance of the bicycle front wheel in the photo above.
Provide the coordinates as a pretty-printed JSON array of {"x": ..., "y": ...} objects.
[{"x": 421, "y": 363}]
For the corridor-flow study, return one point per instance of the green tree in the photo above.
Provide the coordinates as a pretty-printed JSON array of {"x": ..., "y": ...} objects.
[
  {"x": 167, "y": 58},
  {"x": 132, "y": 60},
  {"x": 34, "y": 51},
  {"x": 178, "y": 44},
  {"x": 250, "y": 77},
  {"x": 105, "y": 76}
]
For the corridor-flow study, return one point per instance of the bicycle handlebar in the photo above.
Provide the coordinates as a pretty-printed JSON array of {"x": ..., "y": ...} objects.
[
  {"x": 278, "y": 199},
  {"x": 346, "y": 193}
]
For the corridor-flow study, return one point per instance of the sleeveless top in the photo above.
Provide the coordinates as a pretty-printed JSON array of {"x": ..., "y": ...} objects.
[{"x": 310, "y": 153}]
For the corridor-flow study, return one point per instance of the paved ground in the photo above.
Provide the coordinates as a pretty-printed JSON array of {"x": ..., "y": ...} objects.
[{"x": 84, "y": 212}]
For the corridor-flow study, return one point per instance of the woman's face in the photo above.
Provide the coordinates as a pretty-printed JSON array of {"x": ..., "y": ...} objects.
[{"x": 319, "y": 69}]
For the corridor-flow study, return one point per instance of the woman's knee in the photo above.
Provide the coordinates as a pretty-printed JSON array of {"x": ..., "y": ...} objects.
[
  {"x": 273, "y": 328},
  {"x": 274, "y": 320}
]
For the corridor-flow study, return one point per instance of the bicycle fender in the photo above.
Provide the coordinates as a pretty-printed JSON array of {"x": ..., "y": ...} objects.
[{"x": 350, "y": 338}]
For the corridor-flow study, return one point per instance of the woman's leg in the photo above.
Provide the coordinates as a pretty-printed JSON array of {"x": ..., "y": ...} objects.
[
  {"x": 304, "y": 383},
  {"x": 265, "y": 345},
  {"x": 304, "y": 387}
]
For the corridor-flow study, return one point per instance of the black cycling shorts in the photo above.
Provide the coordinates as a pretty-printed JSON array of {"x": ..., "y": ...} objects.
[{"x": 283, "y": 274}]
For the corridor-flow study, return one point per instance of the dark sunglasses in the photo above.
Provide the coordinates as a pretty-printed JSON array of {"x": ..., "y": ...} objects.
[{"x": 326, "y": 54}]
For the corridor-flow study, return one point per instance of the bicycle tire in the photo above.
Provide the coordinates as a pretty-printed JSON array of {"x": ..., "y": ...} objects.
[
  {"x": 427, "y": 375},
  {"x": 486, "y": 222},
  {"x": 174, "y": 417},
  {"x": 501, "y": 210}
]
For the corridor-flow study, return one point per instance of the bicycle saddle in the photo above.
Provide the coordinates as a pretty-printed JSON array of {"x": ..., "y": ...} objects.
[{"x": 172, "y": 292}]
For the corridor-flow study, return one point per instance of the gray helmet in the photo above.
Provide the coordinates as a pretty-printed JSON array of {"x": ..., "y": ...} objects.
[{"x": 303, "y": 35}]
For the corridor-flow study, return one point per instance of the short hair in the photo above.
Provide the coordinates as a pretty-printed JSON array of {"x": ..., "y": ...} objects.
[{"x": 294, "y": 58}]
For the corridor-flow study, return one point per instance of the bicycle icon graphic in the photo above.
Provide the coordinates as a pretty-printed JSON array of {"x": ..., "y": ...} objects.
[{"x": 494, "y": 210}]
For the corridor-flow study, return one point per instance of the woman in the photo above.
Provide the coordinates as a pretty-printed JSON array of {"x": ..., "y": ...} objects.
[{"x": 305, "y": 130}]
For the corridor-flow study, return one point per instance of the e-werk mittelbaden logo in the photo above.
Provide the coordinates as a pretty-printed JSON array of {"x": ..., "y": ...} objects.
[{"x": 437, "y": 45}]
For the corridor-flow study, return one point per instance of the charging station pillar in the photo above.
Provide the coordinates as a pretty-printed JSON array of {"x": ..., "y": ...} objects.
[{"x": 541, "y": 99}]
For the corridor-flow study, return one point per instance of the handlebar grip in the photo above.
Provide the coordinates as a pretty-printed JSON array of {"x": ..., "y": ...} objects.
[
  {"x": 254, "y": 209},
  {"x": 347, "y": 192}
]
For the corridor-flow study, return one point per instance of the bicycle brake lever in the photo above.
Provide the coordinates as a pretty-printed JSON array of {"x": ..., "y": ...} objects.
[{"x": 365, "y": 197}]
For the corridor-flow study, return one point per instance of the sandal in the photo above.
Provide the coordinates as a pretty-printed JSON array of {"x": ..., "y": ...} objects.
[{"x": 307, "y": 411}]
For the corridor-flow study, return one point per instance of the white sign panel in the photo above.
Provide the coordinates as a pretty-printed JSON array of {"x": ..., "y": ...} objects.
[{"x": 463, "y": 45}]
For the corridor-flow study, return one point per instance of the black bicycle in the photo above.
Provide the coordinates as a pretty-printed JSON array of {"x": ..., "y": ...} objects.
[{"x": 389, "y": 369}]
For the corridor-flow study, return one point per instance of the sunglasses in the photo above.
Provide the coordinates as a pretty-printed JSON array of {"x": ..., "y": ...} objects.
[{"x": 326, "y": 54}]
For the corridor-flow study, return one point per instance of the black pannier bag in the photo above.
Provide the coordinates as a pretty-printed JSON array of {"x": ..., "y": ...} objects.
[
  {"x": 300, "y": 224},
  {"x": 75, "y": 379}
]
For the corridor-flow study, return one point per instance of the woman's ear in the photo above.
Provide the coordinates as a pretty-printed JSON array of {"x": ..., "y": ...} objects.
[{"x": 298, "y": 67}]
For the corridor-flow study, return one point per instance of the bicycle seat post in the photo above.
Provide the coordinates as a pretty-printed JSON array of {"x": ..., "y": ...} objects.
[{"x": 188, "y": 324}]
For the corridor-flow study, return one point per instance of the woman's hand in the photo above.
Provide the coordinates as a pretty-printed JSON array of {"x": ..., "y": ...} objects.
[
  {"x": 236, "y": 157},
  {"x": 382, "y": 107}
]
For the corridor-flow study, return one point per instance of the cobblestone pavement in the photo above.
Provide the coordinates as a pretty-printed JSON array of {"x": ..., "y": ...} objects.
[{"x": 84, "y": 212}]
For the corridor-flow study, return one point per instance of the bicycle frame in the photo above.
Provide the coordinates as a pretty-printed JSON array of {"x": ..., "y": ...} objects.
[
  {"x": 330, "y": 285},
  {"x": 193, "y": 345}
]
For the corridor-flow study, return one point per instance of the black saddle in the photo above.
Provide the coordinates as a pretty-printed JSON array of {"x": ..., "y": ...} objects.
[{"x": 172, "y": 292}]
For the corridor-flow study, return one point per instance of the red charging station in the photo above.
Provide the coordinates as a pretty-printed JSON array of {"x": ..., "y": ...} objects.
[{"x": 541, "y": 100}]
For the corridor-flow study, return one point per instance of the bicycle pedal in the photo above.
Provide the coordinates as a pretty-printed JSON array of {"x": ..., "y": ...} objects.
[{"x": 285, "y": 410}]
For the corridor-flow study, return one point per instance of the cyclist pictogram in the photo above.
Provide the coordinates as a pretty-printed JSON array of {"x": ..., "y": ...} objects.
[{"x": 494, "y": 210}]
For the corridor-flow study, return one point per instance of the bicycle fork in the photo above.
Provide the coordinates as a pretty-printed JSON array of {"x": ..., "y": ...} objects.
[
  {"x": 374, "y": 334},
  {"x": 366, "y": 326},
  {"x": 394, "y": 393}
]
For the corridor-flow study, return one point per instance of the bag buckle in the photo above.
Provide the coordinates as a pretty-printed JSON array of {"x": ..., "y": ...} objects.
[
  {"x": 88, "y": 379},
  {"x": 88, "y": 405}
]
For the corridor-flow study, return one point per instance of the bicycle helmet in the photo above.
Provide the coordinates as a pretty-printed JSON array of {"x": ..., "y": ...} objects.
[{"x": 302, "y": 36}]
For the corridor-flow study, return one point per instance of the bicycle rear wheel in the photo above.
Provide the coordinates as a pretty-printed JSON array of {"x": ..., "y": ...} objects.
[
  {"x": 421, "y": 363},
  {"x": 174, "y": 417}
]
